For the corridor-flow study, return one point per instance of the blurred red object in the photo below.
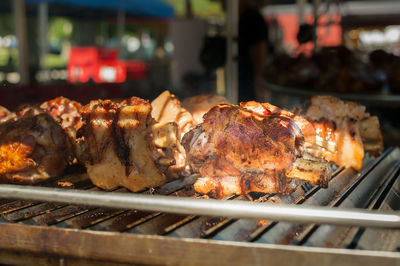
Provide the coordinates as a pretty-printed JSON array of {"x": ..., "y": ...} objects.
[
  {"x": 101, "y": 65},
  {"x": 135, "y": 69}
]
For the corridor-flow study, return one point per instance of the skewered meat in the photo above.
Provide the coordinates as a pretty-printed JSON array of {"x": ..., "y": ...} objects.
[
  {"x": 65, "y": 110},
  {"x": 118, "y": 145},
  {"x": 33, "y": 147},
  {"x": 340, "y": 128},
  {"x": 237, "y": 151},
  {"x": 166, "y": 108},
  {"x": 200, "y": 104}
]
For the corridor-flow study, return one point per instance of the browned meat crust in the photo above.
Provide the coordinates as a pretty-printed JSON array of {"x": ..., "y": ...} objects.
[
  {"x": 117, "y": 145},
  {"x": 237, "y": 151},
  {"x": 33, "y": 147}
]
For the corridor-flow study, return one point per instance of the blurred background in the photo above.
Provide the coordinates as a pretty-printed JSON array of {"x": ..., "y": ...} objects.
[{"x": 90, "y": 49}]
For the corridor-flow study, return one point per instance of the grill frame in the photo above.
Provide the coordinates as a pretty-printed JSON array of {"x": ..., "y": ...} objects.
[
  {"x": 162, "y": 238},
  {"x": 145, "y": 249}
]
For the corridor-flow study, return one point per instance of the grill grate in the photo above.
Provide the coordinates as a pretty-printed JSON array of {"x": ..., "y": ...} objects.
[{"x": 376, "y": 187}]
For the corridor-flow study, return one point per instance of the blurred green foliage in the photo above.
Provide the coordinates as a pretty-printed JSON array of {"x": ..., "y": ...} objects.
[
  {"x": 59, "y": 29},
  {"x": 8, "y": 59},
  {"x": 200, "y": 8}
]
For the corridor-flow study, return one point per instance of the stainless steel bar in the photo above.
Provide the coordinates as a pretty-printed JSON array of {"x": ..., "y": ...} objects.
[
  {"x": 383, "y": 239},
  {"x": 337, "y": 191},
  {"x": 360, "y": 197},
  {"x": 245, "y": 229},
  {"x": 284, "y": 232},
  {"x": 234, "y": 209},
  {"x": 131, "y": 218}
]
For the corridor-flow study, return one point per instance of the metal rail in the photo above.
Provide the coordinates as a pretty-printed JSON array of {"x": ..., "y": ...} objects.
[{"x": 220, "y": 208}]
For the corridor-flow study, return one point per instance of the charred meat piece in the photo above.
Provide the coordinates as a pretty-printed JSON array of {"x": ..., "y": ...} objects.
[
  {"x": 268, "y": 109},
  {"x": 33, "y": 147},
  {"x": 200, "y": 104},
  {"x": 344, "y": 131},
  {"x": 237, "y": 151},
  {"x": 118, "y": 146},
  {"x": 334, "y": 130},
  {"x": 308, "y": 167},
  {"x": 167, "y": 109},
  {"x": 66, "y": 111}
]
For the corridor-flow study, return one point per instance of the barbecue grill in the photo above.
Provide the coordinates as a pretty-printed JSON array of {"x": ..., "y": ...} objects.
[{"x": 68, "y": 220}]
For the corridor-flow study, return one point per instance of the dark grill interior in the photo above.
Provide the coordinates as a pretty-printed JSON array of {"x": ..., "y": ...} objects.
[{"x": 377, "y": 186}]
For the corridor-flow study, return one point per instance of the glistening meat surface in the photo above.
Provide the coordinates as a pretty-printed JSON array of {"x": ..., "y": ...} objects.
[
  {"x": 237, "y": 151},
  {"x": 33, "y": 147},
  {"x": 118, "y": 145}
]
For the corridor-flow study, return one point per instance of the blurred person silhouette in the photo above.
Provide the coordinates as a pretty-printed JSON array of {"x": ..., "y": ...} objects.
[{"x": 253, "y": 38}]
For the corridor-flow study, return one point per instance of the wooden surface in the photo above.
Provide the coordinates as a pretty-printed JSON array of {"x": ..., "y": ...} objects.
[
  {"x": 91, "y": 246},
  {"x": 11, "y": 257}
]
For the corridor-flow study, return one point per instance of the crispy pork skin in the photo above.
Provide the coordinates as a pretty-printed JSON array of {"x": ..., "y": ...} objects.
[
  {"x": 33, "y": 147},
  {"x": 237, "y": 151},
  {"x": 118, "y": 145},
  {"x": 66, "y": 111},
  {"x": 334, "y": 130},
  {"x": 268, "y": 109},
  {"x": 200, "y": 104},
  {"x": 344, "y": 131}
]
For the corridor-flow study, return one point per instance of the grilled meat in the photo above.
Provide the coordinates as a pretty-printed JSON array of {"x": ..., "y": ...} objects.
[
  {"x": 5, "y": 114},
  {"x": 334, "y": 130},
  {"x": 371, "y": 135},
  {"x": 237, "y": 151},
  {"x": 33, "y": 147},
  {"x": 166, "y": 109},
  {"x": 66, "y": 111},
  {"x": 200, "y": 104},
  {"x": 341, "y": 127},
  {"x": 118, "y": 145},
  {"x": 268, "y": 109}
]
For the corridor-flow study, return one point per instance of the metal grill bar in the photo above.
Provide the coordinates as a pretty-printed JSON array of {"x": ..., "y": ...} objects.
[
  {"x": 383, "y": 239},
  {"x": 282, "y": 232},
  {"x": 200, "y": 228},
  {"x": 28, "y": 209},
  {"x": 360, "y": 197},
  {"x": 91, "y": 216},
  {"x": 234, "y": 209},
  {"x": 204, "y": 226},
  {"x": 346, "y": 188},
  {"x": 129, "y": 219}
]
